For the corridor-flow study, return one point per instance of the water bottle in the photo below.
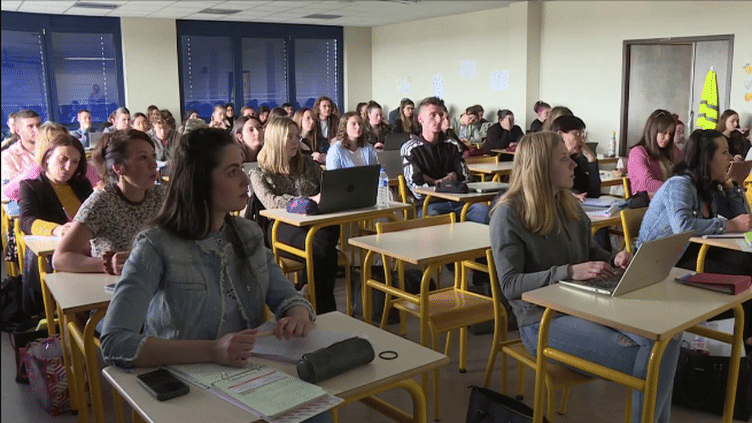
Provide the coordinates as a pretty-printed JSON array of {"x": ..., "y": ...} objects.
[
  {"x": 612, "y": 145},
  {"x": 382, "y": 196},
  {"x": 700, "y": 345}
]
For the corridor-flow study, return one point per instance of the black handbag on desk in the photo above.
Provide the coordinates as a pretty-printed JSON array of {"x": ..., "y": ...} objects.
[
  {"x": 453, "y": 187},
  {"x": 487, "y": 406},
  {"x": 700, "y": 383}
]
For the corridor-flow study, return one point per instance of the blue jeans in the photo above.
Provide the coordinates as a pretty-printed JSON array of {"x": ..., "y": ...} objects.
[
  {"x": 478, "y": 212},
  {"x": 622, "y": 351}
]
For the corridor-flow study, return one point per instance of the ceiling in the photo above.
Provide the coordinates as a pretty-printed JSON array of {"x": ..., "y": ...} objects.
[{"x": 335, "y": 12}]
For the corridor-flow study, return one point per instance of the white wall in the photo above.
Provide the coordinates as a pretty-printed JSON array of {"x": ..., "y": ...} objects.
[
  {"x": 582, "y": 43},
  {"x": 563, "y": 52},
  {"x": 357, "y": 65},
  {"x": 150, "y": 64},
  {"x": 495, "y": 40}
]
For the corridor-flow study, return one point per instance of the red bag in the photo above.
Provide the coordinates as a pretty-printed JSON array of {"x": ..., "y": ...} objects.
[{"x": 44, "y": 364}]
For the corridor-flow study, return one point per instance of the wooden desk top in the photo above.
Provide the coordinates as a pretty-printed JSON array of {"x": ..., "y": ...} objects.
[
  {"x": 412, "y": 359},
  {"x": 503, "y": 151},
  {"x": 41, "y": 245},
  {"x": 731, "y": 243},
  {"x": 75, "y": 292},
  {"x": 655, "y": 312},
  {"x": 334, "y": 218},
  {"x": 502, "y": 168},
  {"x": 456, "y": 196},
  {"x": 430, "y": 244}
]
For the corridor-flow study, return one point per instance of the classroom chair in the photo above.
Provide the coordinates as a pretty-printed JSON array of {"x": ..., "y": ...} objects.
[
  {"x": 449, "y": 309},
  {"x": 405, "y": 196},
  {"x": 11, "y": 268},
  {"x": 627, "y": 187},
  {"x": 631, "y": 219},
  {"x": 20, "y": 244},
  {"x": 557, "y": 377},
  {"x": 482, "y": 159}
]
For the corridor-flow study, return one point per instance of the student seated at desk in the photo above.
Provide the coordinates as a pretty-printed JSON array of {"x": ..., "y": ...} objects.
[
  {"x": 651, "y": 159},
  {"x": 432, "y": 157},
  {"x": 404, "y": 122},
  {"x": 49, "y": 202},
  {"x": 692, "y": 200},
  {"x": 728, "y": 125},
  {"x": 310, "y": 144},
  {"x": 375, "y": 128},
  {"x": 350, "y": 149},
  {"x": 587, "y": 179},
  {"x": 543, "y": 110},
  {"x": 539, "y": 236},
  {"x": 101, "y": 233},
  {"x": 503, "y": 133},
  {"x": 249, "y": 134},
  {"x": 284, "y": 173}
]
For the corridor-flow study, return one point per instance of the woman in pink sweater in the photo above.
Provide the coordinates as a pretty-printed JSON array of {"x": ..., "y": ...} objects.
[{"x": 651, "y": 159}]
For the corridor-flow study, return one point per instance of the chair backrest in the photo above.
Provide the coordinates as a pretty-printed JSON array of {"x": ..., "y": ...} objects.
[
  {"x": 20, "y": 244},
  {"x": 627, "y": 187},
  {"x": 500, "y": 302},
  {"x": 405, "y": 196},
  {"x": 631, "y": 219},
  {"x": 483, "y": 159},
  {"x": 442, "y": 219}
]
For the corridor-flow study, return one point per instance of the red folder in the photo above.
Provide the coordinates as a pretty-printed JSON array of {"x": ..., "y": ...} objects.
[{"x": 730, "y": 284}]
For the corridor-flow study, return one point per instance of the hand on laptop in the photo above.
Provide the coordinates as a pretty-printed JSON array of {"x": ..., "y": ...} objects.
[
  {"x": 622, "y": 259},
  {"x": 591, "y": 270}
]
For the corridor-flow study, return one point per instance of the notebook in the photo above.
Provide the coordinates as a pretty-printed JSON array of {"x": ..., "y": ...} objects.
[
  {"x": 650, "y": 265},
  {"x": 347, "y": 189},
  {"x": 391, "y": 161}
]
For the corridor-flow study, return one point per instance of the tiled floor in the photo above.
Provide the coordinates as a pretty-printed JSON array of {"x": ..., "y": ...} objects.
[{"x": 596, "y": 402}]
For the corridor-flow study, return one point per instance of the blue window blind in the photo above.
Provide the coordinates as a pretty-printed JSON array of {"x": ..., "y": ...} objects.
[
  {"x": 264, "y": 72},
  {"x": 24, "y": 82},
  {"x": 257, "y": 64},
  {"x": 207, "y": 70},
  {"x": 51, "y": 64},
  {"x": 85, "y": 75},
  {"x": 316, "y": 70}
]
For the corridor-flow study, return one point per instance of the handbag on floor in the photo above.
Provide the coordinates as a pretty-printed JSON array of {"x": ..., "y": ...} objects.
[
  {"x": 44, "y": 363},
  {"x": 700, "y": 383},
  {"x": 487, "y": 406}
]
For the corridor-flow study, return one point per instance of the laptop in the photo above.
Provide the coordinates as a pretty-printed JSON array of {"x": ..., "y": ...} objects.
[
  {"x": 350, "y": 188},
  {"x": 395, "y": 141},
  {"x": 738, "y": 171},
  {"x": 487, "y": 186},
  {"x": 651, "y": 264},
  {"x": 391, "y": 161}
]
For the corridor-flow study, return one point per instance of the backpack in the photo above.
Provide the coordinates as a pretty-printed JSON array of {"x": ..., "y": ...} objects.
[{"x": 11, "y": 297}]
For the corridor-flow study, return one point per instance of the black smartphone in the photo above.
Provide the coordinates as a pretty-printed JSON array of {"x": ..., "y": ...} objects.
[{"x": 162, "y": 385}]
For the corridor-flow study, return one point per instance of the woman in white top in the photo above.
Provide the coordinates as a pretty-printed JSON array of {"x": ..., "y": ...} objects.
[{"x": 351, "y": 148}]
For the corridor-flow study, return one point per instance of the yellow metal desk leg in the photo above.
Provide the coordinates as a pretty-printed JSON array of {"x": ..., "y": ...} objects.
[
  {"x": 49, "y": 302},
  {"x": 78, "y": 371},
  {"x": 425, "y": 205},
  {"x": 92, "y": 366},
  {"x": 69, "y": 374},
  {"x": 651, "y": 380},
  {"x": 701, "y": 258},
  {"x": 733, "y": 372},
  {"x": 540, "y": 370}
]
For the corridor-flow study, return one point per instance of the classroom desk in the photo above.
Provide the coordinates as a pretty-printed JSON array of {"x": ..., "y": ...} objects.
[
  {"x": 503, "y": 151},
  {"x": 430, "y": 247},
  {"x": 603, "y": 160},
  {"x": 656, "y": 312},
  {"x": 730, "y": 243},
  {"x": 496, "y": 169},
  {"x": 469, "y": 198},
  {"x": 318, "y": 221},
  {"x": 43, "y": 247},
  {"x": 81, "y": 293},
  {"x": 357, "y": 385}
]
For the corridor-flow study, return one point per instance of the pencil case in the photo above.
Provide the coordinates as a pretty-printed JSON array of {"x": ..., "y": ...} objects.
[
  {"x": 335, "y": 359},
  {"x": 302, "y": 205}
]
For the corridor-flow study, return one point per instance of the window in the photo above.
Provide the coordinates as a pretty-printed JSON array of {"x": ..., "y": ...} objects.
[
  {"x": 258, "y": 64},
  {"x": 57, "y": 65}
]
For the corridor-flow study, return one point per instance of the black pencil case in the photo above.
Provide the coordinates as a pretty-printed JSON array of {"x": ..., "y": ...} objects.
[{"x": 335, "y": 359}]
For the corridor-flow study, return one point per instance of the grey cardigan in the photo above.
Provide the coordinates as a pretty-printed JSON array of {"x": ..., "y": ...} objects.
[{"x": 526, "y": 260}]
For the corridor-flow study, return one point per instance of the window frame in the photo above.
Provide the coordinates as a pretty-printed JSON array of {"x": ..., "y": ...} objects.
[
  {"x": 239, "y": 30},
  {"x": 45, "y": 25}
]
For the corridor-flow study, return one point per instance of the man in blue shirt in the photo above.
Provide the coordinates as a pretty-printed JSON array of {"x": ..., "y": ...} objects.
[{"x": 83, "y": 133}]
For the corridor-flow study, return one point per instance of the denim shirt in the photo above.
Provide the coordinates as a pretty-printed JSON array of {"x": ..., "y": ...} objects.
[
  {"x": 677, "y": 207},
  {"x": 173, "y": 287}
]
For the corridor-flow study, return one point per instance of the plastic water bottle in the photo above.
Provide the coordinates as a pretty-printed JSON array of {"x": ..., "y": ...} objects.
[
  {"x": 383, "y": 193},
  {"x": 612, "y": 145}
]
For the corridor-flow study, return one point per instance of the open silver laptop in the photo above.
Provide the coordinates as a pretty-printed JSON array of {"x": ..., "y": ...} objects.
[
  {"x": 487, "y": 186},
  {"x": 391, "y": 161},
  {"x": 651, "y": 264},
  {"x": 350, "y": 188}
]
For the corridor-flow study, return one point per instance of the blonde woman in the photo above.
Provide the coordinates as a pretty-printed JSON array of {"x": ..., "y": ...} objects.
[
  {"x": 284, "y": 173},
  {"x": 351, "y": 148},
  {"x": 47, "y": 132},
  {"x": 539, "y": 236},
  {"x": 554, "y": 113}
]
